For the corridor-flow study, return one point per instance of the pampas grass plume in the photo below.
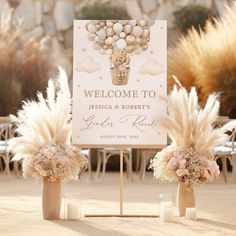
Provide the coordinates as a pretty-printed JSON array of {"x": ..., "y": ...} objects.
[{"x": 44, "y": 122}]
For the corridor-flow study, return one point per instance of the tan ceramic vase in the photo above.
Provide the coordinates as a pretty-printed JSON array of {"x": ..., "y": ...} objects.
[
  {"x": 51, "y": 199},
  {"x": 185, "y": 198}
]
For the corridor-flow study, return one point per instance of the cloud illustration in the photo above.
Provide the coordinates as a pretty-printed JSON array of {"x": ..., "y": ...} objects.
[
  {"x": 88, "y": 64},
  {"x": 151, "y": 67}
]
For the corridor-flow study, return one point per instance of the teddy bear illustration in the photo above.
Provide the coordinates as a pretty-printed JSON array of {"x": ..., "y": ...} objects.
[{"x": 120, "y": 68}]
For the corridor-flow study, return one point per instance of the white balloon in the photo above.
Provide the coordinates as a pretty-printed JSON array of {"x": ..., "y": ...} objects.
[
  {"x": 132, "y": 22},
  {"x": 109, "y": 39},
  {"x": 101, "y": 34},
  {"x": 121, "y": 44},
  {"x": 117, "y": 27},
  {"x": 96, "y": 38},
  {"x": 122, "y": 34},
  {"x": 91, "y": 28},
  {"x": 137, "y": 31}
]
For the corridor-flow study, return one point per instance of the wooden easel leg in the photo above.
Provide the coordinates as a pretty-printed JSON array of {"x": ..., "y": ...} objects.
[
  {"x": 121, "y": 197},
  {"x": 121, "y": 181},
  {"x": 224, "y": 167},
  {"x": 98, "y": 165},
  {"x": 104, "y": 163},
  {"x": 90, "y": 167}
]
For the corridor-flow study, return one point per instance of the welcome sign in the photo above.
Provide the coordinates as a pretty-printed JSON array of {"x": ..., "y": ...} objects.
[{"x": 119, "y": 77}]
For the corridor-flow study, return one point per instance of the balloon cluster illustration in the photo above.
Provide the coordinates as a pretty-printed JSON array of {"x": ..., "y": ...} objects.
[{"x": 119, "y": 39}]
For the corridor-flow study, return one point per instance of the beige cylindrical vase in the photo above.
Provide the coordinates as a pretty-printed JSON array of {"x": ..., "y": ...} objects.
[
  {"x": 185, "y": 198},
  {"x": 51, "y": 199}
]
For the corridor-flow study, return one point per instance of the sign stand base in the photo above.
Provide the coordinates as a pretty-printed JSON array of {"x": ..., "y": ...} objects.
[
  {"x": 121, "y": 198},
  {"x": 122, "y": 216}
]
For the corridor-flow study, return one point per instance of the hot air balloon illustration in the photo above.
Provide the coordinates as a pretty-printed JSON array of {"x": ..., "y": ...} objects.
[{"x": 119, "y": 39}]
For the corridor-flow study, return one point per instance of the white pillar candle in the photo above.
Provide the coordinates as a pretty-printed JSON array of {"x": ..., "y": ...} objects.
[
  {"x": 167, "y": 214},
  {"x": 191, "y": 213},
  {"x": 72, "y": 211}
]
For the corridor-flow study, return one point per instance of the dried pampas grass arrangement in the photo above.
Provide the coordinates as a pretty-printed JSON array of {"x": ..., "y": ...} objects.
[
  {"x": 45, "y": 132},
  {"x": 189, "y": 126},
  {"x": 189, "y": 158},
  {"x": 208, "y": 60}
]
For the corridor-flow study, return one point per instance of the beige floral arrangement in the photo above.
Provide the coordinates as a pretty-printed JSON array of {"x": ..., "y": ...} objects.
[
  {"x": 44, "y": 142},
  {"x": 189, "y": 158}
]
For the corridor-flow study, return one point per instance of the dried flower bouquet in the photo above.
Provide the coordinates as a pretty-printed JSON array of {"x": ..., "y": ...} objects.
[
  {"x": 189, "y": 158},
  {"x": 45, "y": 132},
  {"x": 44, "y": 143}
]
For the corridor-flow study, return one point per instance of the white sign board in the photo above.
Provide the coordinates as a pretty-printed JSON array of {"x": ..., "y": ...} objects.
[{"x": 119, "y": 77}]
